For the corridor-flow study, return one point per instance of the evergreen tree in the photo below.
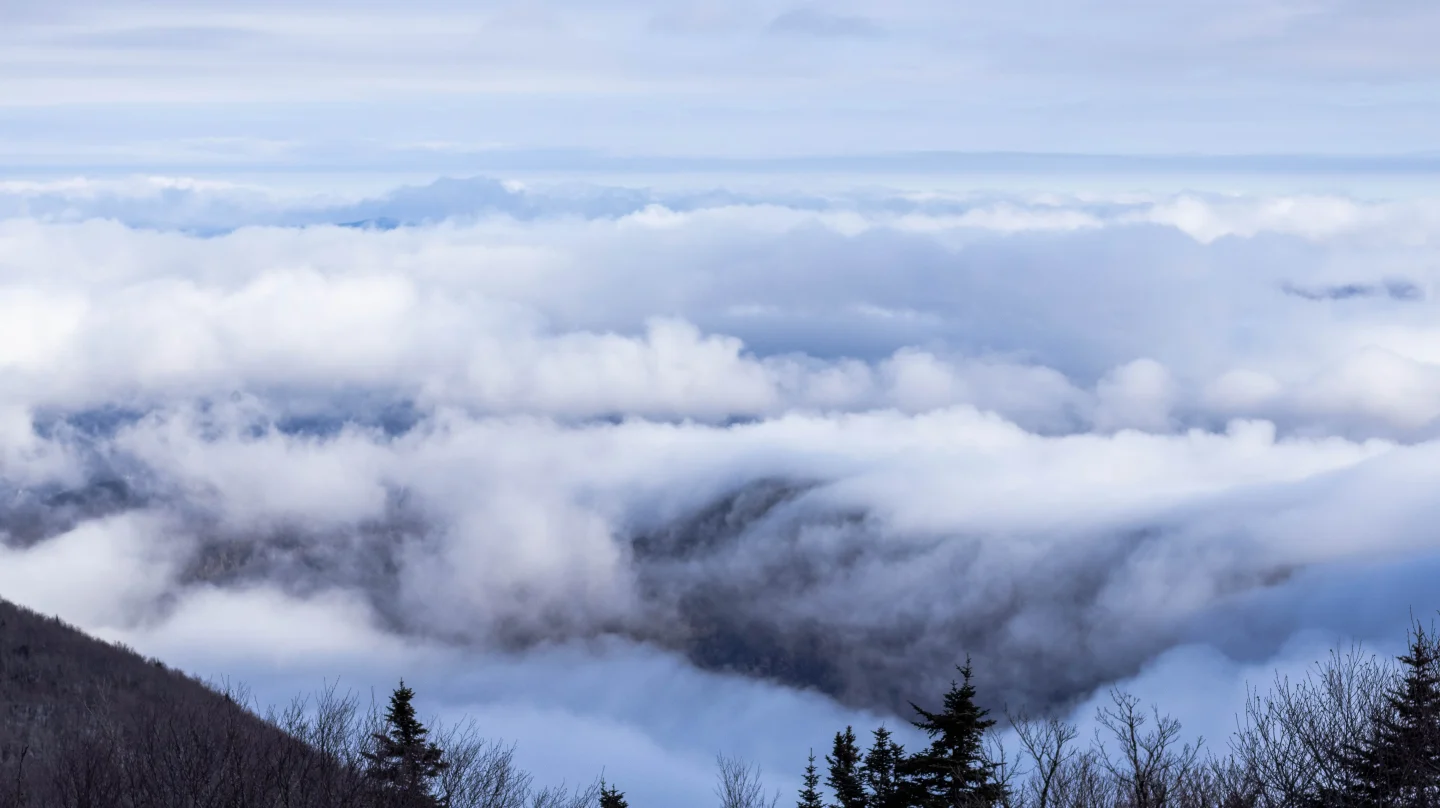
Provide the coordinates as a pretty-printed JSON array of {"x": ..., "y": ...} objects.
[
  {"x": 810, "y": 794},
  {"x": 402, "y": 761},
  {"x": 844, "y": 779},
  {"x": 881, "y": 772},
  {"x": 611, "y": 797},
  {"x": 1399, "y": 764},
  {"x": 953, "y": 771}
]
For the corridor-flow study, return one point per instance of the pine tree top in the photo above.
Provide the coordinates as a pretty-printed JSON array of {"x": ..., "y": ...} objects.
[
  {"x": 612, "y": 797},
  {"x": 882, "y": 772},
  {"x": 401, "y": 759},
  {"x": 1402, "y": 756},
  {"x": 810, "y": 793},
  {"x": 844, "y": 778},
  {"x": 400, "y": 716},
  {"x": 960, "y": 721},
  {"x": 955, "y": 767}
]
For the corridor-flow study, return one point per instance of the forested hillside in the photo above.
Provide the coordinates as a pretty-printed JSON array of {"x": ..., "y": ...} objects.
[{"x": 88, "y": 724}]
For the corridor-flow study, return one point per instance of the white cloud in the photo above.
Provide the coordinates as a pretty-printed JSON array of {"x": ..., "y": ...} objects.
[
  {"x": 1137, "y": 395},
  {"x": 1074, "y": 433},
  {"x": 105, "y": 573}
]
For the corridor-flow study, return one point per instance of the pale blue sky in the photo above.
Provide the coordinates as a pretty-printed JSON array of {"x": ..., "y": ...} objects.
[{"x": 225, "y": 83}]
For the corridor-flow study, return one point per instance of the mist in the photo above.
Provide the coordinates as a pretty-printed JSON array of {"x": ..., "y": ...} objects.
[{"x": 639, "y": 476}]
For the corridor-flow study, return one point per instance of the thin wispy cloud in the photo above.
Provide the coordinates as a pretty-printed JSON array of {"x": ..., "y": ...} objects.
[
  {"x": 168, "y": 38},
  {"x": 1101, "y": 76},
  {"x": 809, "y": 21}
]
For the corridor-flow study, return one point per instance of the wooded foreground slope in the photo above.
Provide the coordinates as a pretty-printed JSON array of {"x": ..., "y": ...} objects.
[{"x": 88, "y": 724}]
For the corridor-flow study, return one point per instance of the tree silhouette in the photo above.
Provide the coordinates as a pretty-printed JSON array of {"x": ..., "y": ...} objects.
[
  {"x": 810, "y": 794},
  {"x": 611, "y": 797},
  {"x": 954, "y": 771},
  {"x": 403, "y": 761},
  {"x": 881, "y": 772},
  {"x": 1399, "y": 763},
  {"x": 844, "y": 779}
]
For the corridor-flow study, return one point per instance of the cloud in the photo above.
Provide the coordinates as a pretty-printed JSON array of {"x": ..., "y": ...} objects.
[
  {"x": 807, "y": 21},
  {"x": 162, "y": 38},
  {"x": 571, "y": 455},
  {"x": 1394, "y": 289}
]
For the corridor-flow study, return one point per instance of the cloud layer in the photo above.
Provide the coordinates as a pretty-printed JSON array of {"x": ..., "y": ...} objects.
[
  {"x": 802, "y": 452},
  {"x": 261, "y": 84}
]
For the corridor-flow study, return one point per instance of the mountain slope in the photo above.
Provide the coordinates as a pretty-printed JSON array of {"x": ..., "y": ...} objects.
[{"x": 87, "y": 723}]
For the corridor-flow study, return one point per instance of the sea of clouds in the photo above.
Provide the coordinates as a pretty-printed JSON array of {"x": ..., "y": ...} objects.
[{"x": 637, "y": 477}]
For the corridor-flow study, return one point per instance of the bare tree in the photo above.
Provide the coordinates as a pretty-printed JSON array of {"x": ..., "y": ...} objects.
[
  {"x": 738, "y": 785},
  {"x": 563, "y": 797},
  {"x": 1229, "y": 784},
  {"x": 1082, "y": 782},
  {"x": 1047, "y": 744},
  {"x": 482, "y": 772},
  {"x": 1293, "y": 740},
  {"x": 1003, "y": 768},
  {"x": 1149, "y": 766}
]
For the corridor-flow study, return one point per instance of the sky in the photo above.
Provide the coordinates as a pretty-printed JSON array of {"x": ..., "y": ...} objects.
[
  {"x": 651, "y": 381},
  {"x": 444, "y": 85}
]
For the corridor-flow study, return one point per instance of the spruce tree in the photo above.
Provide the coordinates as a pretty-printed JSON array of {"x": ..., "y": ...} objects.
[
  {"x": 844, "y": 779},
  {"x": 1399, "y": 764},
  {"x": 611, "y": 797},
  {"x": 953, "y": 771},
  {"x": 402, "y": 761},
  {"x": 881, "y": 772},
  {"x": 810, "y": 794}
]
